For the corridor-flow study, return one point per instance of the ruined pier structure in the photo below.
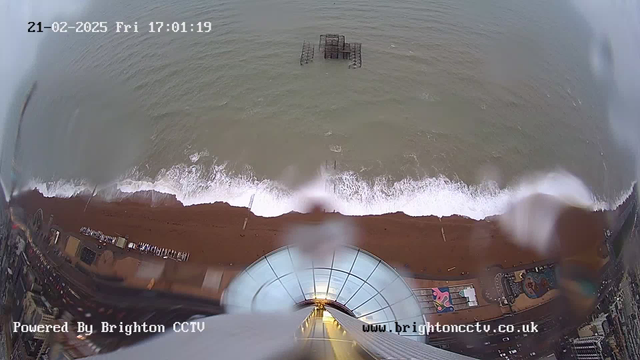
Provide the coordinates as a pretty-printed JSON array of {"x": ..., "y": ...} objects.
[{"x": 333, "y": 46}]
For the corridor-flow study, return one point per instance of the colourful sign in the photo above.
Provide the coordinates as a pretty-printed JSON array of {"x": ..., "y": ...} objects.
[
  {"x": 442, "y": 300},
  {"x": 537, "y": 284}
]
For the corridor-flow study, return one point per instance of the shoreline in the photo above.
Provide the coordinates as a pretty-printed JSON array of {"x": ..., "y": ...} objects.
[
  {"x": 417, "y": 198},
  {"x": 423, "y": 246}
]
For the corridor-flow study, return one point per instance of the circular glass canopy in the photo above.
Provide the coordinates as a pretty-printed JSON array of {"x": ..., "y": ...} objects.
[{"x": 350, "y": 278}]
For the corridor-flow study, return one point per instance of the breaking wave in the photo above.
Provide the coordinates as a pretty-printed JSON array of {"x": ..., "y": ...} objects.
[{"x": 346, "y": 192}]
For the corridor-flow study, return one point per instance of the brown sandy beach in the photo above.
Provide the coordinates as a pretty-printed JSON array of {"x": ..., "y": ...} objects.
[{"x": 213, "y": 233}]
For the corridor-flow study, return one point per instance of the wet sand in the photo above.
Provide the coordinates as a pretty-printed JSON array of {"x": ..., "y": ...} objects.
[{"x": 213, "y": 233}]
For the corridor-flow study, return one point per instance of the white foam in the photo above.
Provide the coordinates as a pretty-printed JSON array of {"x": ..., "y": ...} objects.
[
  {"x": 60, "y": 189},
  {"x": 196, "y": 156},
  {"x": 347, "y": 192}
]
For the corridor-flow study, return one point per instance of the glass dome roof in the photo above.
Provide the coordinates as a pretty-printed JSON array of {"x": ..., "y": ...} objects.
[{"x": 350, "y": 278}]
